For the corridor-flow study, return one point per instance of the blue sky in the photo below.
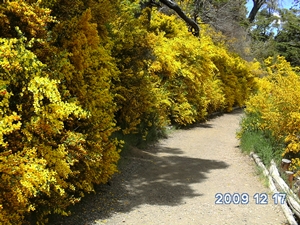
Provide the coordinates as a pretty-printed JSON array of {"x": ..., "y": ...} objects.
[
  {"x": 286, "y": 3},
  {"x": 282, "y": 3}
]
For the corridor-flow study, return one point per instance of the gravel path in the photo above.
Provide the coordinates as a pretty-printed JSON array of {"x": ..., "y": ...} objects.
[{"x": 176, "y": 180}]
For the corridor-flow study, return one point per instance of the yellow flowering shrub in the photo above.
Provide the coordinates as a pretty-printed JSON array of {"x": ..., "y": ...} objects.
[
  {"x": 42, "y": 103},
  {"x": 276, "y": 106},
  {"x": 200, "y": 75},
  {"x": 72, "y": 77},
  {"x": 179, "y": 70},
  {"x": 235, "y": 74},
  {"x": 24, "y": 176},
  {"x": 32, "y": 19},
  {"x": 36, "y": 156},
  {"x": 84, "y": 66},
  {"x": 142, "y": 103},
  {"x": 177, "y": 76}
]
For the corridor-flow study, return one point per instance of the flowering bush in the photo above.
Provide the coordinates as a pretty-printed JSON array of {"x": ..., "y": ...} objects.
[
  {"x": 74, "y": 72},
  {"x": 275, "y": 106}
]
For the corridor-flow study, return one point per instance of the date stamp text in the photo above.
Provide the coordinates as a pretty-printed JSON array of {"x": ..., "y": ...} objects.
[{"x": 244, "y": 198}]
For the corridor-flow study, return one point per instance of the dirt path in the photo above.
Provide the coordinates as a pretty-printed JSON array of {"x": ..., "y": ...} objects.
[{"x": 175, "y": 182}]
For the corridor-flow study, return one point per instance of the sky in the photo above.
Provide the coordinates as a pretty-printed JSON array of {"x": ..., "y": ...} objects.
[
  {"x": 286, "y": 3},
  {"x": 282, "y": 3}
]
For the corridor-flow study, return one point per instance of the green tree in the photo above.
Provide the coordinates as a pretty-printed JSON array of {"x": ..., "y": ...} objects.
[
  {"x": 277, "y": 33},
  {"x": 287, "y": 40},
  {"x": 261, "y": 4},
  {"x": 262, "y": 35}
]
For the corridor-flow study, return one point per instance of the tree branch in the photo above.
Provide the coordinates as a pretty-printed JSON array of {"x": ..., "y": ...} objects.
[{"x": 178, "y": 10}]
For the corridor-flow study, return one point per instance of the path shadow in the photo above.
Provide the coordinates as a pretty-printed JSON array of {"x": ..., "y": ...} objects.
[
  {"x": 200, "y": 125},
  {"x": 157, "y": 176},
  {"x": 207, "y": 124}
]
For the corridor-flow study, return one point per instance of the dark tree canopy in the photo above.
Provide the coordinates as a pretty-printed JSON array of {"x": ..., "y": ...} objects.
[{"x": 287, "y": 41}]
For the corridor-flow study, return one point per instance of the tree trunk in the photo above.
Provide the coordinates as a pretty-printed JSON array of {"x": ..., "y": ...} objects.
[{"x": 257, "y": 4}]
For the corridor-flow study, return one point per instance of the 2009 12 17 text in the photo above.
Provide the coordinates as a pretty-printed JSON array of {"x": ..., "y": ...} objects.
[{"x": 244, "y": 198}]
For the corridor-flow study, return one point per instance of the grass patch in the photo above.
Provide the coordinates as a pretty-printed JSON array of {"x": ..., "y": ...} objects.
[
  {"x": 259, "y": 172},
  {"x": 263, "y": 144}
]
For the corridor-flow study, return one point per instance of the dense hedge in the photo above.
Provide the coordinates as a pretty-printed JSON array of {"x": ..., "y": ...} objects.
[
  {"x": 74, "y": 72},
  {"x": 274, "y": 112}
]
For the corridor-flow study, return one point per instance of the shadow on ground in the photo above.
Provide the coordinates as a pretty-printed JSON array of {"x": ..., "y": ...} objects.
[
  {"x": 157, "y": 176},
  {"x": 206, "y": 124}
]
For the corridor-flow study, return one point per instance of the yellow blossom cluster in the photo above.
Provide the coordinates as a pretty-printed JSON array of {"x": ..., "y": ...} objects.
[
  {"x": 275, "y": 106},
  {"x": 75, "y": 72}
]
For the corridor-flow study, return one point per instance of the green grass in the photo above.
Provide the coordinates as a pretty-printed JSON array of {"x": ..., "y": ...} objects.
[
  {"x": 259, "y": 172},
  {"x": 263, "y": 144}
]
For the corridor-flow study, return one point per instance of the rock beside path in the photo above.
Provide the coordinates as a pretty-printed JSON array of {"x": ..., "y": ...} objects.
[{"x": 176, "y": 182}]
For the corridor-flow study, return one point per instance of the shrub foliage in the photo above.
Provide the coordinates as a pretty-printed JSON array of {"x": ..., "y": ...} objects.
[
  {"x": 274, "y": 108},
  {"x": 74, "y": 72}
]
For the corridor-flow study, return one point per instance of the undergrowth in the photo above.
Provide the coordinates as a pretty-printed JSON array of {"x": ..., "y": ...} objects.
[{"x": 260, "y": 142}]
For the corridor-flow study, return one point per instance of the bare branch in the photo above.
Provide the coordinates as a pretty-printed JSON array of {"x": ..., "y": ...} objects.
[{"x": 172, "y": 5}]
